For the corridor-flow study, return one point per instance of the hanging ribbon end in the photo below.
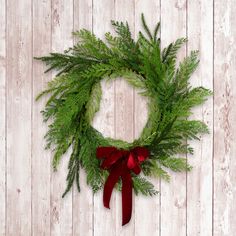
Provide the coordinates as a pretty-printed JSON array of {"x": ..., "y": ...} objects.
[
  {"x": 106, "y": 204},
  {"x": 124, "y": 222},
  {"x": 108, "y": 207}
]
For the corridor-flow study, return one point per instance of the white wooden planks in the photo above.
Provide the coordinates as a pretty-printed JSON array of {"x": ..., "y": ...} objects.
[
  {"x": 104, "y": 121},
  {"x": 224, "y": 118},
  {"x": 3, "y": 118},
  {"x": 83, "y": 201},
  {"x": 173, "y": 194},
  {"x": 124, "y": 113},
  {"x": 201, "y": 203},
  {"x": 61, "y": 209},
  {"x": 41, "y": 159},
  {"x": 199, "y": 180},
  {"x": 19, "y": 86},
  {"x": 147, "y": 209}
]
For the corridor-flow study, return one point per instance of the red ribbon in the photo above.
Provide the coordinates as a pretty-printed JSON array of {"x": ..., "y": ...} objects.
[{"x": 120, "y": 163}]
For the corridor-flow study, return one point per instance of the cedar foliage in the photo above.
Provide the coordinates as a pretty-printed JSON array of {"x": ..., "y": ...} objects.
[{"x": 75, "y": 95}]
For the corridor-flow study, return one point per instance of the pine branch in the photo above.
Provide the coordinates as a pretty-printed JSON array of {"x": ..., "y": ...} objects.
[
  {"x": 157, "y": 172},
  {"x": 156, "y": 30},
  {"x": 93, "y": 103},
  {"x": 141, "y": 185},
  {"x": 73, "y": 169},
  {"x": 176, "y": 164},
  {"x": 170, "y": 53},
  {"x": 147, "y": 30}
]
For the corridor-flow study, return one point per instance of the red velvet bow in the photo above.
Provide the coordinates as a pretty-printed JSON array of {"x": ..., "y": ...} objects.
[{"x": 120, "y": 163}]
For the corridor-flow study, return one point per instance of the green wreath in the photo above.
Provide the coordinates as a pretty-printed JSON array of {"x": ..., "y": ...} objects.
[{"x": 75, "y": 95}]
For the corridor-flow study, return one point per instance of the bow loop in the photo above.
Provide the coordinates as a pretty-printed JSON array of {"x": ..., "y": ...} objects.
[
  {"x": 104, "y": 152},
  {"x": 142, "y": 153},
  {"x": 110, "y": 155},
  {"x": 137, "y": 156},
  {"x": 133, "y": 163}
]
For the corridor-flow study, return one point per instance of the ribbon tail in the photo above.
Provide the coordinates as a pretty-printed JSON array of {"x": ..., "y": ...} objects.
[
  {"x": 126, "y": 197},
  {"x": 109, "y": 185}
]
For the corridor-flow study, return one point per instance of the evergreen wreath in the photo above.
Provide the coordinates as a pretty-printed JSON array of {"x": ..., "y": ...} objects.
[{"x": 75, "y": 95}]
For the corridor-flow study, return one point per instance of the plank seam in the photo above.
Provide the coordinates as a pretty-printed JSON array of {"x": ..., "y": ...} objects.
[
  {"x": 213, "y": 113},
  {"x": 160, "y": 218},
  {"x": 186, "y": 181},
  {"x": 115, "y": 122},
  {"x": 73, "y": 189},
  {"x": 93, "y": 220},
  {"x": 31, "y": 116},
  {"x": 50, "y": 172},
  {"x": 133, "y": 102},
  {"x": 6, "y": 92}
]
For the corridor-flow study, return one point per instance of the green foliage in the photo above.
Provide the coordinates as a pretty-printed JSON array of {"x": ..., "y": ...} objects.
[
  {"x": 176, "y": 164},
  {"x": 75, "y": 95},
  {"x": 157, "y": 171},
  {"x": 73, "y": 169},
  {"x": 89, "y": 162},
  {"x": 169, "y": 54},
  {"x": 93, "y": 103},
  {"x": 141, "y": 185}
]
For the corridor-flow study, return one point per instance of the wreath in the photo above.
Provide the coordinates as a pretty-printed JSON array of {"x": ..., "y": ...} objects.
[{"x": 75, "y": 95}]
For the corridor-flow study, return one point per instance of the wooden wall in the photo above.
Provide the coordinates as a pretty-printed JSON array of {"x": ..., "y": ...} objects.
[{"x": 202, "y": 202}]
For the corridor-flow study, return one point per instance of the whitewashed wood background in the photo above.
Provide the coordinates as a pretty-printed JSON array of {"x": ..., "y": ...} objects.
[{"x": 202, "y": 202}]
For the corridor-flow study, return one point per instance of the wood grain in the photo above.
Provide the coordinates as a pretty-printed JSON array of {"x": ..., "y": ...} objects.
[
  {"x": 19, "y": 87},
  {"x": 199, "y": 189},
  {"x": 173, "y": 194},
  {"x": 3, "y": 118},
  {"x": 201, "y": 202},
  {"x": 41, "y": 162},
  {"x": 104, "y": 121},
  {"x": 124, "y": 113},
  {"x": 224, "y": 118},
  {"x": 61, "y": 209},
  {"x": 146, "y": 208},
  {"x": 83, "y": 201}
]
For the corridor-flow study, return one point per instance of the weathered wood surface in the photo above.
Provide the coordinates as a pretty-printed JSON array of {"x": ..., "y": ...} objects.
[
  {"x": 3, "y": 118},
  {"x": 104, "y": 219},
  {"x": 41, "y": 166},
  {"x": 61, "y": 209},
  {"x": 173, "y": 194},
  {"x": 19, "y": 57},
  {"x": 146, "y": 208},
  {"x": 199, "y": 180},
  {"x": 224, "y": 164},
  {"x": 83, "y": 201},
  {"x": 201, "y": 202}
]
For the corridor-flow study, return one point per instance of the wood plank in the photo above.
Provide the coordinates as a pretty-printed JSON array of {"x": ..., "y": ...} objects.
[
  {"x": 2, "y": 117},
  {"x": 61, "y": 209},
  {"x": 173, "y": 194},
  {"x": 124, "y": 113},
  {"x": 41, "y": 163},
  {"x": 83, "y": 201},
  {"x": 224, "y": 118},
  {"x": 104, "y": 219},
  {"x": 19, "y": 84},
  {"x": 199, "y": 180},
  {"x": 147, "y": 209},
  {"x": 67, "y": 216}
]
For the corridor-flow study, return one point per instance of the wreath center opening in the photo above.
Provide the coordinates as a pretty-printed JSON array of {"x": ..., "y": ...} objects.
[{"x": 123, "y": 111}]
